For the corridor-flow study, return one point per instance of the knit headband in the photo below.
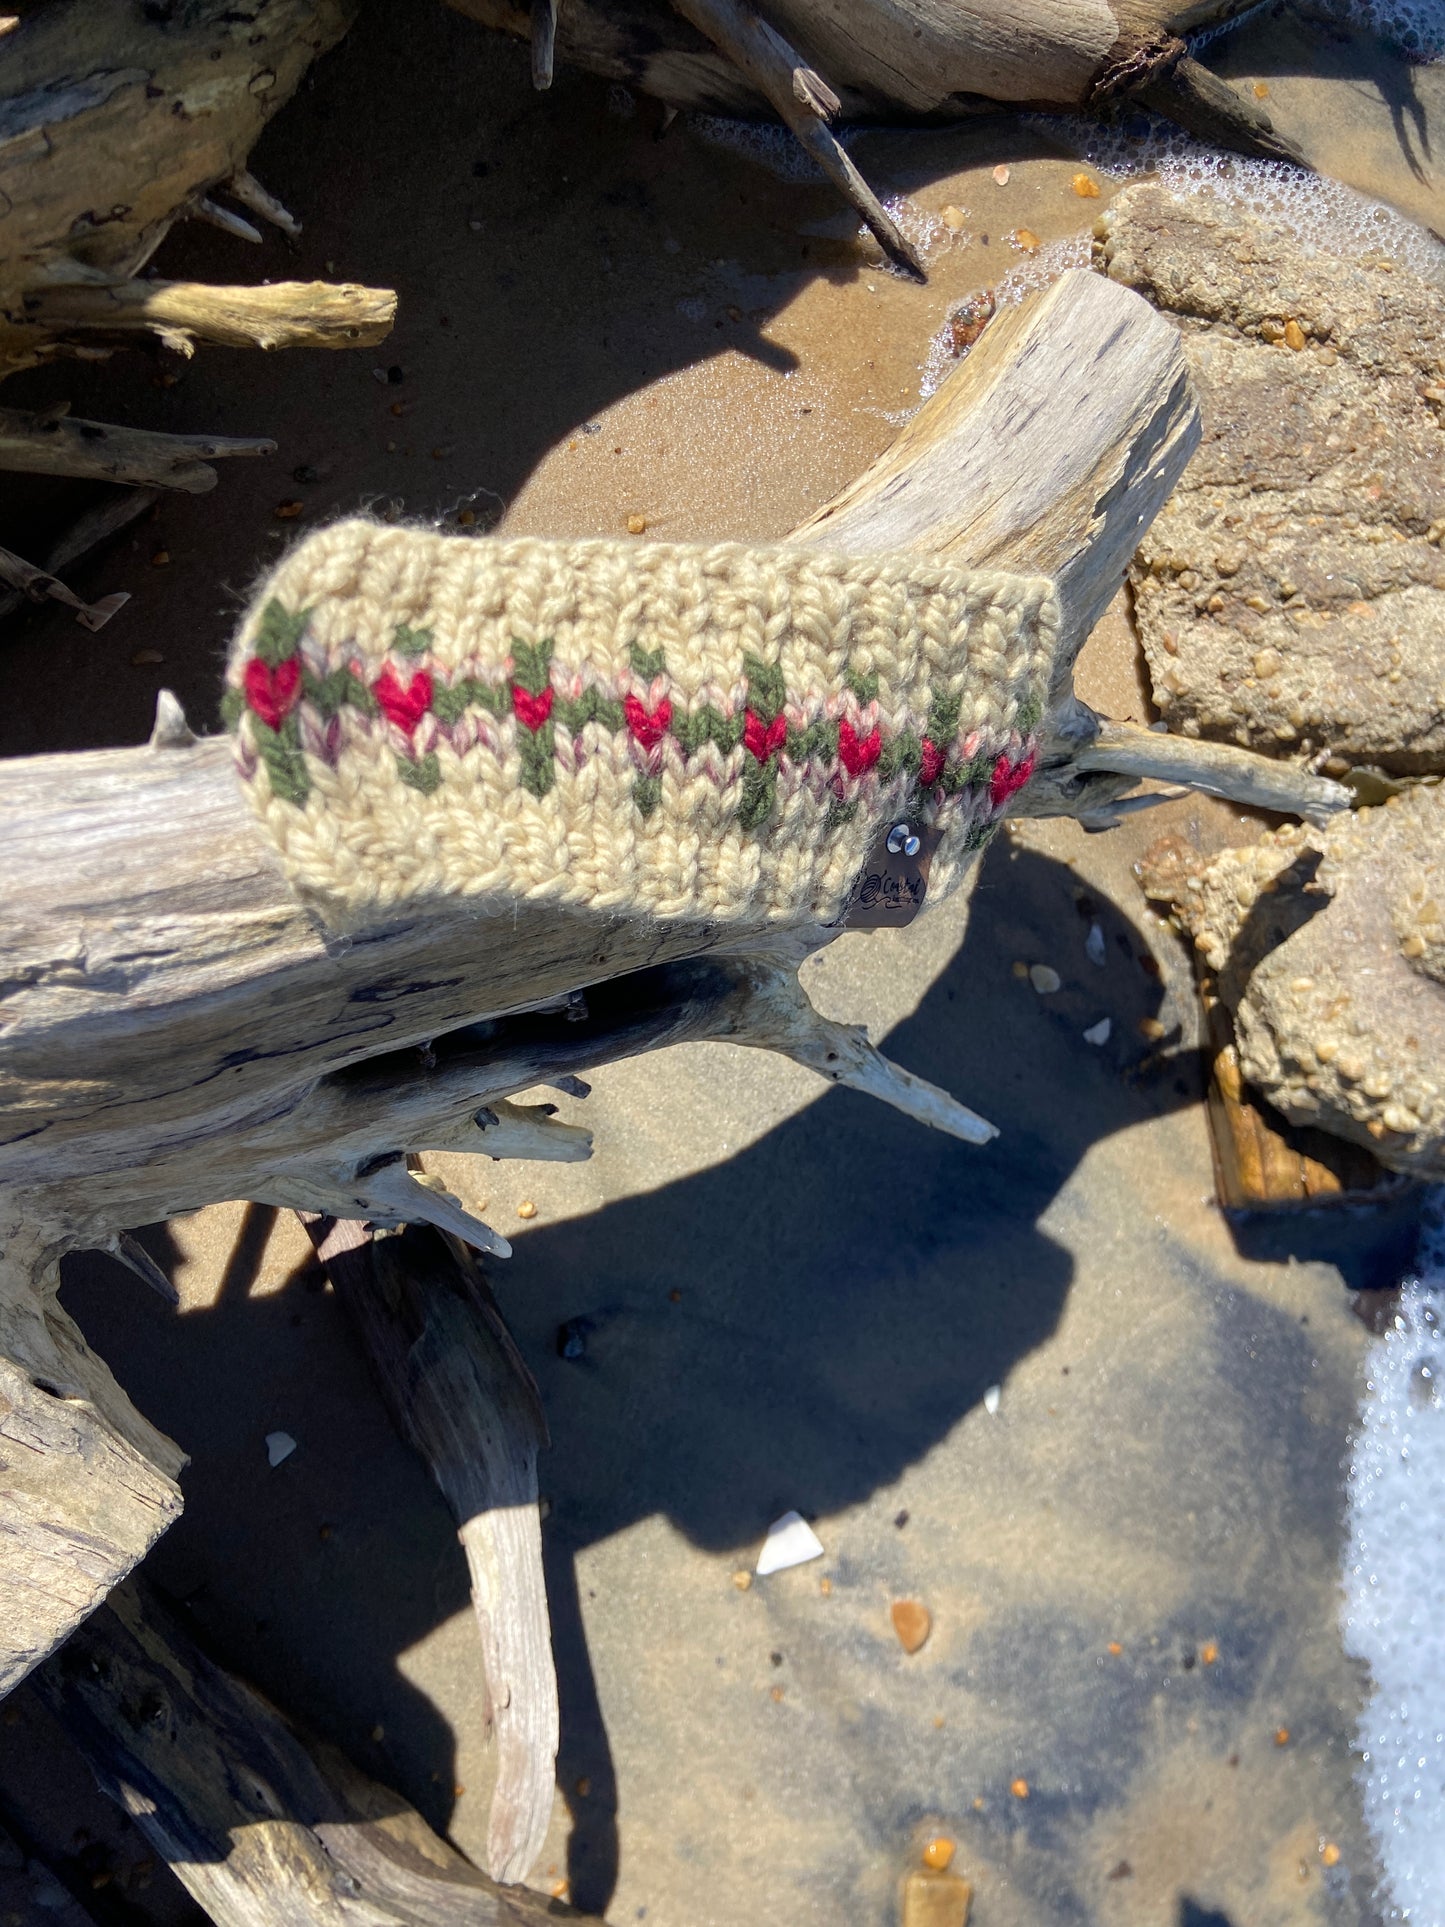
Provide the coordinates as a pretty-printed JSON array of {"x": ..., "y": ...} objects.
[{"x": 681, "y": 731}]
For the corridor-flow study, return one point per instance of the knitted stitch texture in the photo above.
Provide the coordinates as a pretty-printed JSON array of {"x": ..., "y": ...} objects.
[{"x": 715, "y": 733}]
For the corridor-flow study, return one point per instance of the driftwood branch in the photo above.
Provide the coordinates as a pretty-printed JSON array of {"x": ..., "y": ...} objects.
[
  {"x": 99, "y": 451},
  {"x": 282, "y": 314},
  {"x": 264, "y": 1826},
  {"x": 804, "y": 103},
  {"x": 461, "y": 1395}
]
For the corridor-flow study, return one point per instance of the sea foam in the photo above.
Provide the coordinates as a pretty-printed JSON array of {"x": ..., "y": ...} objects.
[{"x": 1394, "y": 1579}]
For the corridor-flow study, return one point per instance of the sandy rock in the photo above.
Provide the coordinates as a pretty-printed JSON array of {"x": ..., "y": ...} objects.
[
  {"x": 1291, "y": 597},
  {"x": 1330, "y": 951}
]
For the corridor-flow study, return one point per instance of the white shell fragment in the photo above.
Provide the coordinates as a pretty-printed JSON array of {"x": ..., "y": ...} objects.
[
  {"x": 1044, "y": 978},
  {"x": 1099, "y": 1033},
  {"x": 791, "y": 1541},
  {"x": 279, "y": 1446},
  {"x": 1094, "y": 945},
  {"x": 991, "y": 1398}
]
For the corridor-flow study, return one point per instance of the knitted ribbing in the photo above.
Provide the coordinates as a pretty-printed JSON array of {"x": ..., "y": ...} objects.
[{"x": 701, "y": 732}]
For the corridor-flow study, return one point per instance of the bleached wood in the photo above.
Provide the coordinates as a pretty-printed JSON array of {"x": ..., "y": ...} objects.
[
  {"x": 280, "y": 314},
  {"x": 264, "y": 1825},
  {"x": 104, "y": 452}
]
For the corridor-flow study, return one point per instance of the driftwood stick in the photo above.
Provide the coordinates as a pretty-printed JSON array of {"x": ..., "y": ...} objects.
[
  {"x": 227, "y": 220},
  {"x": 263, "y": 1825},
  {"x": 37, "y": 585},
  {"x": 544, "y": 42},
  {"x": 245, "y": 188},
  {"x": 1220, "y": 769},
  {"x": 462, "y": 1397},
  {"x": 99, "y": 451},
  {"x": 286, "y": 314},
  {"x": 804, "y": 101}
]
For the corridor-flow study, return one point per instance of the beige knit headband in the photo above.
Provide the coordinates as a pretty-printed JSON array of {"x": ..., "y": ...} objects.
[{"x": 685, "y": 732}]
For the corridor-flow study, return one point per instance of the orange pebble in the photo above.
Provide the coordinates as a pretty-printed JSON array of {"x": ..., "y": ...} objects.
[
  {"x": 1019, "y": 1789},
  {"x": 1209, "y": 1653},
  {"x": 1294, "y": 335},
  {"x": 777, "y": 1692},
  {"x": 1330, "y": 1854},
  {"x": 526, "y": 1209},
  {"x": 1261, "y": 90},
  {"x": 912, "y": 1623},
  {"x": 1085, "y": 188},
  {"x": 637, "y": 525},
  {"x": 1027, "y": 240},
  {"x": 1281, "y": 1736},
  {"x": 825, "y": 1586},
  {"x": 1115, "y": 1648},
  {"x": 938, "y": 1853}
]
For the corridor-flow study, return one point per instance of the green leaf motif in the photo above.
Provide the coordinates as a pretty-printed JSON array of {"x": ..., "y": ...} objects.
[
  {"x": 279, "y": 632},
  {"x": 590, "y": 707},
  {"x": 411, "y": 642},
  {"x": 535, "y": 748},
  {"x": 767, "y": 692},
  {"x": 647, "y": 794},
  {"x": 760, "y": 785},
  {"x": 425, "y": 774},
  {"x": 285, "y": 766},
  {"x": 233, "y": 708},
  {"x": 865, "y": 688},
  {"x": 530, "y": 664},
  {"x": 647, "y": 663},
  {"x": 333, "y": 692},
  {"x": 900, "y": 752},
  {"x": 706, "y": 725},
  {"x": 943, "y": 719},
  {"x": 818, "y": 739}
]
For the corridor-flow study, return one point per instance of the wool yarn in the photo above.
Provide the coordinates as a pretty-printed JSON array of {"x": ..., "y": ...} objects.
[{"x": 706, "y": 732}]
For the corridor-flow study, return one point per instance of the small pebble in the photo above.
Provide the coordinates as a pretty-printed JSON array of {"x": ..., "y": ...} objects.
[
  {"x": 1281, "y": 1736},
  {"x": 279, "y": 1446},
  {"x": 1019, "y": 1788},
  {"x": 526, "y": 1209},
  {"x": 1209, "y": 1653},
  {"x": 1025, "y": 238},
  {"x": 144, "y": 656},
  {"x": 1099, "y": 1033},
  {"x": 825, "y": 1586},
  {"x": 939, "y": 1853},
  {"x": 912, "y": 1622},
  {"x": 1045, "y": 979},
  {"x": 584, "y": 1787},
  {"x": 1330, "y": 1854},
  {"x": 1294, "y": 336},
  {"x": 637, "y": 525},
  {"x": 953, "y": 218},
  {"x": 378, "y": 1733},
  {"x": 287, "y": 511},
  {"x": 1000, "y": 174},
  {"x": 1120, "y": 1871},
  {"x": 1020, "y": 968},
  {"x": 160, "y": 558},
  {"x": 1085, "y": 187},
  {"x": 742, "y": 1580},
  {"x": 1151, "y": 1028},
  {"x": 991, "y": 1398},
  {"x": 777, "y": 1693},
  {"x": 1261, "y": 90},
  {"x": 1115, "y": 1649},
  {"x": 1094, "y": 948}
]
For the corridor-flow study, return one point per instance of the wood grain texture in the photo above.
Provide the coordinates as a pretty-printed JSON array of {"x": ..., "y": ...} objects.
[{"x": 263, "y": 1826}]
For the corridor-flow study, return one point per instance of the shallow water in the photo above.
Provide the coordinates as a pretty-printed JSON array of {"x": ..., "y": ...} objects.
[{"x": 598, "y": 321}]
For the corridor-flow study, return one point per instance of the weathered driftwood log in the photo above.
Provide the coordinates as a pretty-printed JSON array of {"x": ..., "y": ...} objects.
[
  {"x": 116, "y": 121},
  {"x": 915, "y": 58},
  {"x": 179, "y": 1030},
  {"x": 462, "y": 1396},
  {"x": 264, "y": 1826}
]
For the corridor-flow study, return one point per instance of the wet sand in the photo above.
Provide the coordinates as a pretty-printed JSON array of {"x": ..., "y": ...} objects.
[{"x": 795, "y": 1299}]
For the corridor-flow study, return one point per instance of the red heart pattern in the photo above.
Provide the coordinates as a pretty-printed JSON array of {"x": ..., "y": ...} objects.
[
  {"x": 272, "y": 692},
  {"x": 403, "y": 703}
]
